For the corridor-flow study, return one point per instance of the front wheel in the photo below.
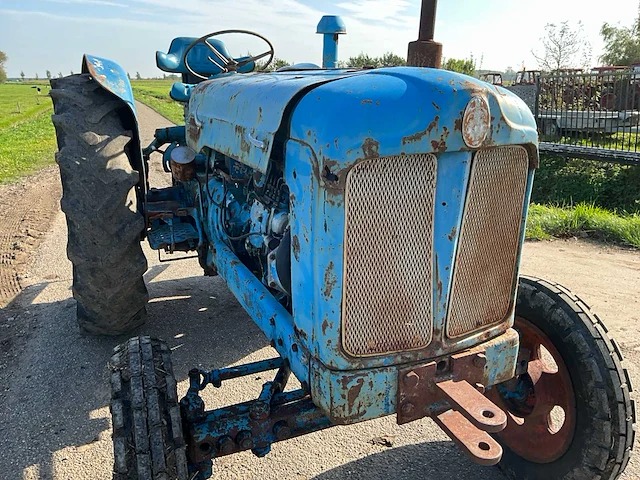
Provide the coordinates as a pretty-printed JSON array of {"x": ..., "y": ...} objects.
[
  {"x": 148, "y": 443},
  {"x": 570, "y": 416}
]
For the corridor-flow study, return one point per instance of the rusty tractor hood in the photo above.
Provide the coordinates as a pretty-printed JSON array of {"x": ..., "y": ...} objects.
[{"x": 348, "y": 115}]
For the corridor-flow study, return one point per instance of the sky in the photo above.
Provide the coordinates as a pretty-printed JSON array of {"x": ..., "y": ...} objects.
[{"x": 40, "y": 35}]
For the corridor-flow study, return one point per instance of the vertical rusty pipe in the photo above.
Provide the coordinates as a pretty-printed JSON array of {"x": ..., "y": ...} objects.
[
  {"x": 425, "y": 52},
  {"x": 428, "y": 20}
]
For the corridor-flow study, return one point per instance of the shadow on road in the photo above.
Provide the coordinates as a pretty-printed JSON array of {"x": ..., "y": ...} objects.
[
  {"x": 424, "y": 461},
  {"x": 53, "y": 409},
  {"x": 56, "y": 379}
]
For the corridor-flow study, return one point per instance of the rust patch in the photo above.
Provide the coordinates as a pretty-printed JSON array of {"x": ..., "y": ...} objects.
[
  {"x": 433, "y": 125},
  {"x": 353, "y": 393},
  {"x": 453, "y": 233},
  {"x": 435, "y": 105},
  {"x": 193, "y": 130},
  {"x": 366, "y": 102},
  {"x": 330, "y": 280},
  {"x": 457, "y": 124},
  {"x": 418, "y": 136},
  {"x": 300, "y": 333},
  {"x": 335, "y": 142},
  {"x": 371, "y": 148},
  {"x": 325, "y": 324},
  {"x": 244, "y": 145},
  {"x": 441, "y": 145},
  {"x": 295, "y": 245}
]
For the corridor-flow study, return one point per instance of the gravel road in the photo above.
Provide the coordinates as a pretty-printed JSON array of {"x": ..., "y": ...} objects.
[{"x": 54, "y": 415}]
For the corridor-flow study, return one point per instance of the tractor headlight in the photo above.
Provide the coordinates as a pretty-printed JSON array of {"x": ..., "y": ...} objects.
[{"x": 476, "y": 122}]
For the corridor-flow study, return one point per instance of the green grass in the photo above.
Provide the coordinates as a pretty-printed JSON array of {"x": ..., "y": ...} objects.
[
  {"x": 26, "y": 147},
  {"x": 27, "y": 136},
  {"x": 155, "y": 94},
  {"x": 19, "y": 102},
  {"x": 583, "y": 220}
]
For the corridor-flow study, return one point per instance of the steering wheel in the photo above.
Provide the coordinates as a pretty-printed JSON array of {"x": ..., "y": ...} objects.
[{"x": 227, "y": 64}]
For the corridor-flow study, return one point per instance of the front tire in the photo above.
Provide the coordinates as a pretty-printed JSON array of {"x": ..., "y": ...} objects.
[
  {"x": 595, "y": 438},
  {"x": 148, "y": 442},
  {"x": 100, "y": 204}
]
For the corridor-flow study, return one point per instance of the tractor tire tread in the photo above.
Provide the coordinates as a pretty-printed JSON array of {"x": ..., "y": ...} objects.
[
  {"x": 616, "y": 431},
  {"x": 100, "y": 203},
  {"x": 147, "y": 428}
]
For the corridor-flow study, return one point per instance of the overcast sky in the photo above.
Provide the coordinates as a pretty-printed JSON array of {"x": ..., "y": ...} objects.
[{"x": 39, "y": 35}]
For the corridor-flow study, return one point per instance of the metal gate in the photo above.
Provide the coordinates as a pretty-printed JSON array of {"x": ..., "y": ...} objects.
[{"x": 592, "y": 115}]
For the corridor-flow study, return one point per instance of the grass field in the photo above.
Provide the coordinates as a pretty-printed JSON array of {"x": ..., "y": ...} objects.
[
  {"x": 27, "y": 136},
  {"x": 19, "y": 102},
  {"x": 155, "y": 94},
  {"x": 583, "y": 220}
]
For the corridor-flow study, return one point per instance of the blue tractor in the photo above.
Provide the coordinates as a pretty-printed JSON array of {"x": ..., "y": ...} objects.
[{"x": 371, "y": 223}]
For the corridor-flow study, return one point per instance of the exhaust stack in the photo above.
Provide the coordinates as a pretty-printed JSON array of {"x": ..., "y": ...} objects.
[{"x": 425, "y": 52}]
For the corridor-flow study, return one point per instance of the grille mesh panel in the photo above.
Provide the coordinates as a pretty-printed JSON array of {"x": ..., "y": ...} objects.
[
  {"x": 387, "y": 288},
  {"x": 489, "y": 239}
]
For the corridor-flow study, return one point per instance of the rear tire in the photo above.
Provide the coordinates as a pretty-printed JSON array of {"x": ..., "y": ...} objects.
[
  {"x": 100, "y": 203},
  {"x": 601, "y": 444},
  {"x": 148, "y": 442}
]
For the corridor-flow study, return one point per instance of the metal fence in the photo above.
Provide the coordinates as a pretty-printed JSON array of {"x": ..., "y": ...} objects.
[{"x": 590, "y": 115}]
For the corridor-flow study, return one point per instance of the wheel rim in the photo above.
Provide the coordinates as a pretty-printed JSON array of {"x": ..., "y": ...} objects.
[{"x": 537, "y": 401}]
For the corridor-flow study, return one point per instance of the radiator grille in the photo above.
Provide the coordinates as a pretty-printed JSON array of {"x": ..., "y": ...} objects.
[
  {"x": 489, "y": 239},
  {"x": 387, "y": 288}
]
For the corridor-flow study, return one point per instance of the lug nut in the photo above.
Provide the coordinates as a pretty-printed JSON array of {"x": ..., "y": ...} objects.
[
  {"x": 244, "y": 440},
  {"x": 411, "y": 379},
  {"x": 281, "y": 430},
  {"x": 226, "y": 445}
]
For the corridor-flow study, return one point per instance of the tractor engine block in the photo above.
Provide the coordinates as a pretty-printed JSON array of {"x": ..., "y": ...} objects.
[{"x": 253, "y": 217}]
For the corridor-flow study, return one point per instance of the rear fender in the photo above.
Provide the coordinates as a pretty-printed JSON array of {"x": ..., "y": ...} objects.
[{"x": 112, "y": 77}]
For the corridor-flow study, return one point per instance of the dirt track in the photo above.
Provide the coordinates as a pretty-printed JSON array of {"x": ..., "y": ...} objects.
[{"x": 54, "y": 417}]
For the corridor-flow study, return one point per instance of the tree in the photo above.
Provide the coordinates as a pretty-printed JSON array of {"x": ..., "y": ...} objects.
[
  {"x": 390, "y": 59},
  {"x": 3, "y": 72},
  {"x": 36, "y": 75},
  {"x": 138, "y": 77},
  {"x": 466, "y": 66},
  {"x": 48, "y": 75},
  {"x": 363, "y": 60},
  {"x": 563, "y": 47},
  {"x": 71, "y": 72},
  {"x": 22, "y": 75},
  {"x": 621, "y": 44},
  {"x": 60, "y": 75}
]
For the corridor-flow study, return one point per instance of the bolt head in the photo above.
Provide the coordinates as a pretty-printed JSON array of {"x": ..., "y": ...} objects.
[
  {"x": 244, "y": 440},
  {"x": 281, "y": 430},
  {"x": 226, "y": 445},
  {"x": 411, "y": 379}
]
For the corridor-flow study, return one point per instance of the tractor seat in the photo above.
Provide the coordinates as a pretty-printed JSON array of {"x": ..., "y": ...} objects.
[{"x": 173, "y": 61}]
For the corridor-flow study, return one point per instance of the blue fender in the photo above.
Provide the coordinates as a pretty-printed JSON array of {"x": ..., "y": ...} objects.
[{"x": 113, "y": 78}]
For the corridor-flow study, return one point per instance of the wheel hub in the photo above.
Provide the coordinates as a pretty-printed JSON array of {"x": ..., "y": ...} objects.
[{"x": 540, "y": 404}]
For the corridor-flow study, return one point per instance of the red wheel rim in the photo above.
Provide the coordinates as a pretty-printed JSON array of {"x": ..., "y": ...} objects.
[{"x": 535, "y": 430}]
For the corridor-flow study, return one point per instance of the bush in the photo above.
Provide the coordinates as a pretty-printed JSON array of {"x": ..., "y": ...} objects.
[{"x": 567, "y": 182}]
